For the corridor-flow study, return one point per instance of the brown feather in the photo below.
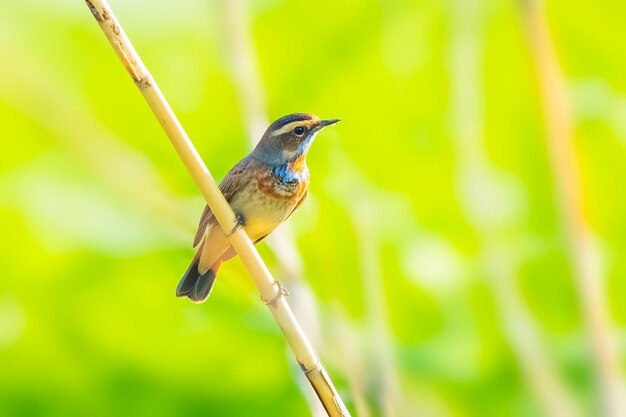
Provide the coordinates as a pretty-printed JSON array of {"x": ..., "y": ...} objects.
[
  {"x": 229, "y": 186},
  {"x": 204, "y": 222}
]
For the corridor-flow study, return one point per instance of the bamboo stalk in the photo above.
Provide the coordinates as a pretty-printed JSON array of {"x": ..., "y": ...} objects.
[{"x": 261, "y": 276}]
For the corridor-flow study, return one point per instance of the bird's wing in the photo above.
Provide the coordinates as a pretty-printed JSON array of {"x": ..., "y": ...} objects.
[
  {"x": 229, "y": 186},
  {"x": 207, "y": 214}
]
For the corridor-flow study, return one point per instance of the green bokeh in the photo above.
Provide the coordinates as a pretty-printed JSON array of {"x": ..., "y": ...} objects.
[{"x": 97, "y": 213}]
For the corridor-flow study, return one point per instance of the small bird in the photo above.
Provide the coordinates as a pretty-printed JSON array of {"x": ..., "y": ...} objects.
[{"x": 263, "y": 189}]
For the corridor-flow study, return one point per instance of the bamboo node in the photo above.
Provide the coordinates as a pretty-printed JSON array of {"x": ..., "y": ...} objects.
[
  {"x": 306, "y": 370},
  {"x": 281, "y": 292},
  {"x": 144, "y": 82}
]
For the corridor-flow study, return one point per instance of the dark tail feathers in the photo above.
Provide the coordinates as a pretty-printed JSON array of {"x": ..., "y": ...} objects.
[{"x": 195, "y": 286}]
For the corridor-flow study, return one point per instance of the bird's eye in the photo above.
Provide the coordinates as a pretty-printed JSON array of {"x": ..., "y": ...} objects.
[{"x": 299, "y": 131}]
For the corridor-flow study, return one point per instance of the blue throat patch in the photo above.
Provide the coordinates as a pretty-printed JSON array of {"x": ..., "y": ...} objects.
[
  {"x": 283, "y": 171},
  {"x": 285, "y": 174}
]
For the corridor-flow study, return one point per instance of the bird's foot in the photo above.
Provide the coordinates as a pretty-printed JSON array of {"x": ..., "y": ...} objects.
[
  {"x": 239, "y": 223},
  {"x": 281, "y": 292}
]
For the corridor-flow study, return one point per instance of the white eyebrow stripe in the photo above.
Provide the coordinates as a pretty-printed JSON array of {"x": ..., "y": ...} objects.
[{"x": 287, "y": 128}]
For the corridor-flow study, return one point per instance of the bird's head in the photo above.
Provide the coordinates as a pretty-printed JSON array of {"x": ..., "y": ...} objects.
[{"x": 290, "y": 137}]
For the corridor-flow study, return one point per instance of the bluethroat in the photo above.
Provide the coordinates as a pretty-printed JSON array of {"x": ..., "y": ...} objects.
[{"x": 263, "y": 189}]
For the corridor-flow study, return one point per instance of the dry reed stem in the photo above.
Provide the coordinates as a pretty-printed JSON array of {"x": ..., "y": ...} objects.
[
  {"x": 568, "y": 184},
  {"x": 226, "y": 218}
]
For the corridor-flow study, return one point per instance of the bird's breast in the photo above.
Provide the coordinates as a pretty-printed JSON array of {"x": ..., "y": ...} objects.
[
  {"x": 282, "y": 190},
  {"x": 287, "y": 181},
  {"x": 268, "y": 199}
]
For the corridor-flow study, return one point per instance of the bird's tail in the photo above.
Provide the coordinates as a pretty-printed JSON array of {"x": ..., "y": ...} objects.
[{"x": 195, "y": 285}]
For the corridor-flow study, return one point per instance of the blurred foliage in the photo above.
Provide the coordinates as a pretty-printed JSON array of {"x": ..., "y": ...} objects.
[{"x": 97, "y": 213}]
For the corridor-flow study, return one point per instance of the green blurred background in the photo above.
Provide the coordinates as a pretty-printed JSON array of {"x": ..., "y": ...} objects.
[{"x": 436, "y": 276}]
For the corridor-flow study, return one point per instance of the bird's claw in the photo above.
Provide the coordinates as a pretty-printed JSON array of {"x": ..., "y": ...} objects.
[
  {"x": 239, "y": 223},
  {"x": 281, "y": 292}
]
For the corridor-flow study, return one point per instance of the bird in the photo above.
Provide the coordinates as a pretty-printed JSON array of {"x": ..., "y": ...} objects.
[{"x": 263, "y": 189}]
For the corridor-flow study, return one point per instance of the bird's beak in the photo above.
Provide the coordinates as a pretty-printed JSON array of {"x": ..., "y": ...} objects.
[{"x": 329, "y": 122}]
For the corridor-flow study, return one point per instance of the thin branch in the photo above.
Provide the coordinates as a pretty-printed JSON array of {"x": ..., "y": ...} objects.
[
  {"x": 261, "y": 276},
  {"x": 567, "y": 178}
]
